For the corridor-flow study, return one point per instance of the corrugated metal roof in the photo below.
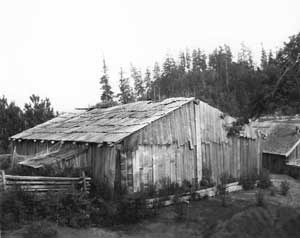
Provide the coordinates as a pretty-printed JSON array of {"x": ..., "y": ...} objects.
[{"x": 101, "y": 125}]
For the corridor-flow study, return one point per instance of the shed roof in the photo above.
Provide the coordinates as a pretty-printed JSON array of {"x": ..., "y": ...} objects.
[
  {"x": 101, "y": 125},
  {"x": 282, "y": 140}
]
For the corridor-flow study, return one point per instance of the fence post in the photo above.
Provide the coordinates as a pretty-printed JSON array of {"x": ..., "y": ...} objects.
[
  {"x": 3, "y": 179},
  {"x": 83, "y": 181}
]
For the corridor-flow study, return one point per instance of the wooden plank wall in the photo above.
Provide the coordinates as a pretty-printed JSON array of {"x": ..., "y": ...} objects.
[
  {"x": 175, "y": 147},
  {"x": 234, "y": 155},
  {"x": 167, "y": 148}
]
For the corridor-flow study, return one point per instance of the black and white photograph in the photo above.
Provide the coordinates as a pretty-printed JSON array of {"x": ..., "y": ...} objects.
[{"x": 150, "y": 118}]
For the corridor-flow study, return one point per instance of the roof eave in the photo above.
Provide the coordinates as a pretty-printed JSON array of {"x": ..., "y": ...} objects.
[
  {"x": 293, "y": 147},
  {"x": 287, "y": 154}
]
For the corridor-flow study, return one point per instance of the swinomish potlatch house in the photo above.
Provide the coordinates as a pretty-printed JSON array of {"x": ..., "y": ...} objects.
[{"x": 142, "y": 143}]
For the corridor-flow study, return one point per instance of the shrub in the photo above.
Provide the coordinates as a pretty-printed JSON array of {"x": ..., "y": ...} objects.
[
  {"x": 232, "y": 179},
  {"x": 40, "y": 229},
  {"x": 103, "y": 190},
  {"x": 264, "y": 180},
  {"x": 5, "y": 161},
  {"x": 180, "y": 208},
  {"x": 102, "y": 212},
  {"x": 16, "y": 207},
  {"x": 151, "y": 191},
  {"x": 68, "y": 208},
  {"x": 260, "y": 198},
  {"x": 221, "y": 188},
  {"x": 186, "y": 186},
  {"x": 284, "y": 188},
  {"x": 166, "y": 187},
  {"x": 132, "y": 208},
  {"x": 206, "y": 181},
  {"x": 248, "y": 181},
  {"x": 273, "y": 191},
  {"x": 72, "y": 208}
]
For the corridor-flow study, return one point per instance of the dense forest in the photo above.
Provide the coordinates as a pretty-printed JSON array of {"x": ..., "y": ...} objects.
[
  {"x": 238, "y": 87},
  {"x": 14, "y": 120}
]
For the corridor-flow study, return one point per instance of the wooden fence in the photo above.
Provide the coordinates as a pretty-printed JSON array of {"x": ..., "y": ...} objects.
[{"x": 43, "y": 184}]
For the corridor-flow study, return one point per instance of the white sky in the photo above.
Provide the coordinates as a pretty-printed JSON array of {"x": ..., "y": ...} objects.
[{"x": 54, "y": 48}]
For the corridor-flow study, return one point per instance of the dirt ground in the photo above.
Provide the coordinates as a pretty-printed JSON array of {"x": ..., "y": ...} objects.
[{"x": 207, "y": 218}]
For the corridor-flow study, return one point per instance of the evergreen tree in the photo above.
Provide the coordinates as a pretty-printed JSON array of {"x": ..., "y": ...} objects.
[
  {"x": 11, "y": 122},
  {"x": 139, "y": 87},
  {"x": 107, "y": 93},
  {"x": 188, "y": 60},
  {"x": 168, "y": 77},
  {"x": 245, "y": 56},
  {"x": 182, "y": 63},
  {"x": 126, "y": 94},
  {"x": 148, "y": 84},
  {"x": 198, "y": 61},
  {"x": 37, "y": 111},
  {"x": 263, "y": 59},
  {"x": 156, "y": 82}
]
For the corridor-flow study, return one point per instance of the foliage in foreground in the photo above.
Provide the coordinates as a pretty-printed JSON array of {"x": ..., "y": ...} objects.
[
  {"x": 221, "y": 188},
  {"x": 180, "y": 208},
  {"x": 284, "y": 188},
  {"x": 74, "y": 209},
  {"x": 248, "y": 181},
  {"x": 264, "y": 180},
  {"x": 41, "y": 229},
  {"x": 260, "y": 198}
]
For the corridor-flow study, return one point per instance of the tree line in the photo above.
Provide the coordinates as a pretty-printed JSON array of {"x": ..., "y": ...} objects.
[
  {"x": 13, "y": 119},
  {"x": 238, "y": 87}
]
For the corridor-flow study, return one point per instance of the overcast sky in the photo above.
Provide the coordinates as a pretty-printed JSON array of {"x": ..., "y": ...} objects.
[{"x": 54, "y": 48}]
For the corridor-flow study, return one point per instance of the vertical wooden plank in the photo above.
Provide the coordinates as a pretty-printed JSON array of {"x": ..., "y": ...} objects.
[
  {"x": 203, "y": 155},
  {"x": 212, "y": 161},
  {"x": 259, "y": 153},
  {"x": 135, "y": 171},
  {"x": 172, "y": 163},
  {"x": 199, "y": 162},
  {"x": 154, "y": 166},
  {"x": 238, "y": 157},
  {"x": 84, "y": 181},
  {"x": 3, "y": 179}
]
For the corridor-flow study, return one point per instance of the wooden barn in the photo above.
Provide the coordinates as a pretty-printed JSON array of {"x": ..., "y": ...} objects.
[
  {"x": 281, "y": 146},
  {"x": 142, "y": 143}
]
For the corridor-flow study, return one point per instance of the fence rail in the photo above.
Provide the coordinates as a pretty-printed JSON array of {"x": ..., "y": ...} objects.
[{"x": 43, "y": 184}]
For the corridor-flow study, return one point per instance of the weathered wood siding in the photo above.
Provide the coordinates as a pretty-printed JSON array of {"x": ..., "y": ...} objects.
[
  {"x": 175, "y": 147},
  {"x": 170, "y": 148},
  {"x": 165, "y": 149}
]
